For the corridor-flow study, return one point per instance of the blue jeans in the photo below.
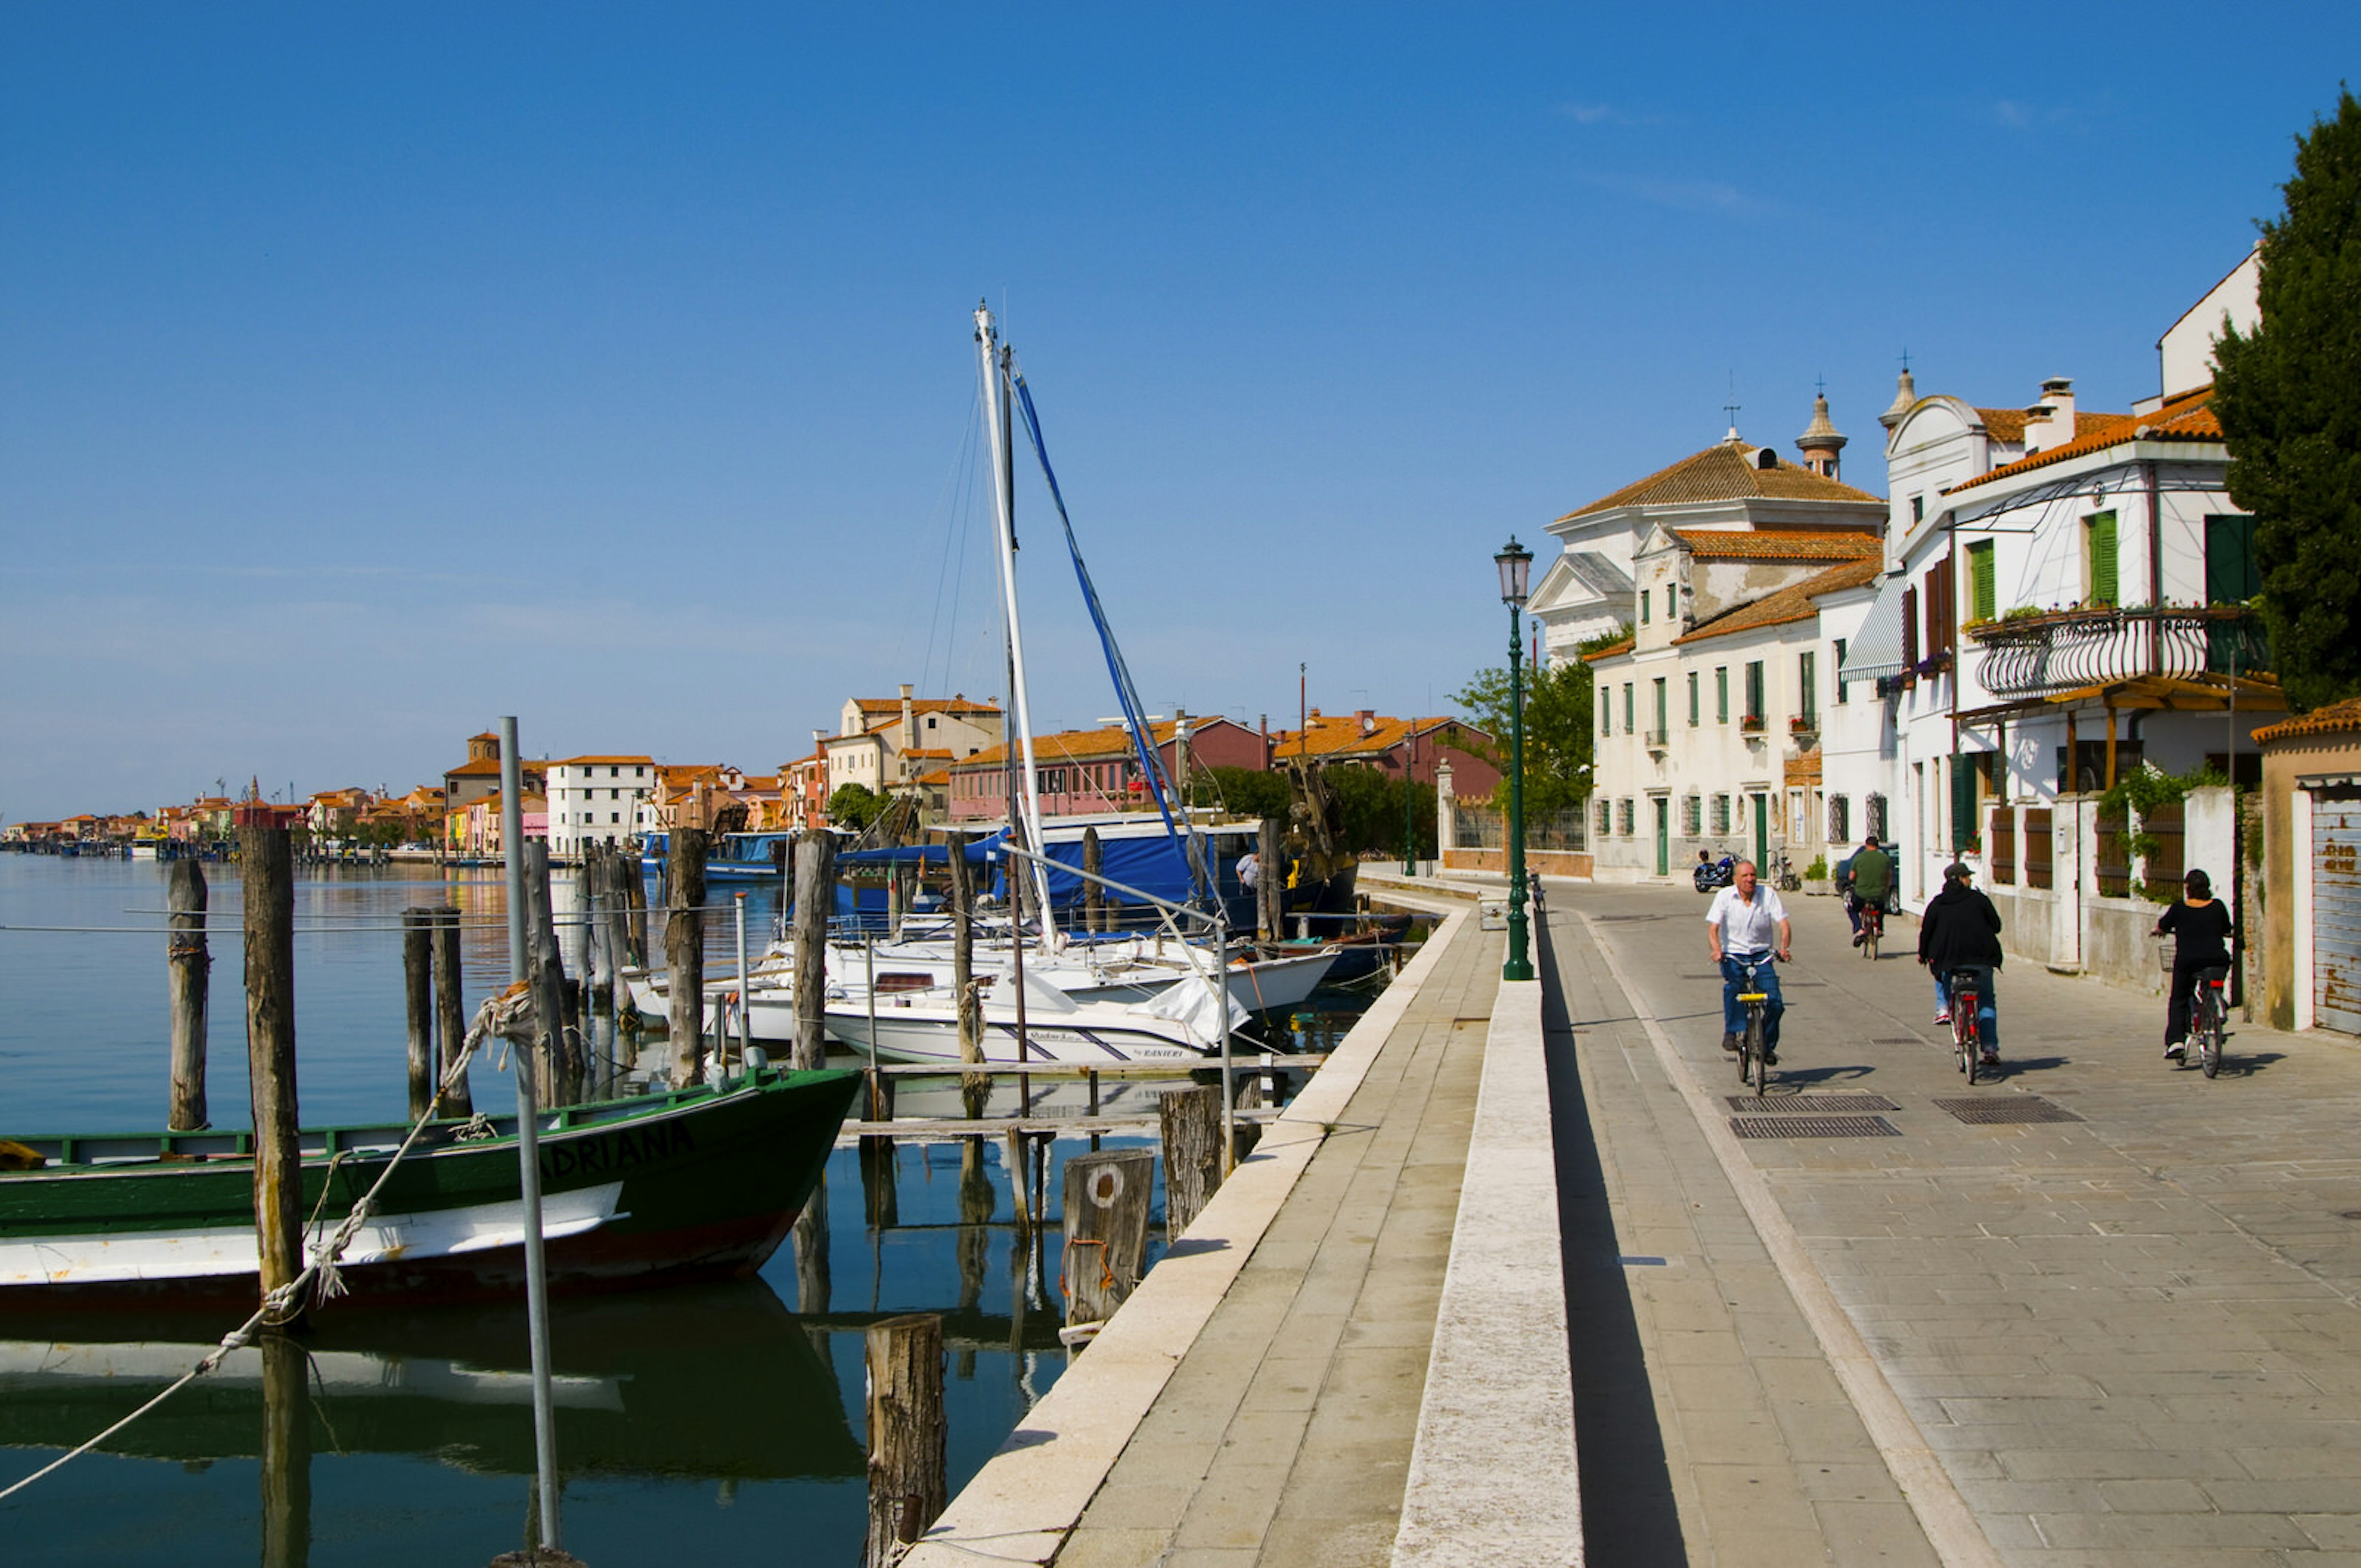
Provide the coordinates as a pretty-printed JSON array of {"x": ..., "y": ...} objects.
[
  {"x": 1987, "y": 1015},
  {"x": 1733, "y": 1011}
]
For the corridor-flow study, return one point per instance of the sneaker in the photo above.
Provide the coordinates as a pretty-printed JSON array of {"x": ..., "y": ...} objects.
[
  {"x": 1856, "y": 938},
  {"x": 2173, "y": 1051},
  {"x": 1991, "y": 1057},
  {"x": 1729, "y": 1043},
  {"x": 1942, "y": 1017},
  {"x": 1770, "y": 1058}
]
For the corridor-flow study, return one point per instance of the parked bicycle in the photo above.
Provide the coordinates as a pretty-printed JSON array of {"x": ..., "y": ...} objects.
[{"x": 1753, "y": 1048}]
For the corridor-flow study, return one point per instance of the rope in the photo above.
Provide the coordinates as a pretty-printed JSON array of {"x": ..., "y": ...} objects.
[{"x": 505, "y": 1014}]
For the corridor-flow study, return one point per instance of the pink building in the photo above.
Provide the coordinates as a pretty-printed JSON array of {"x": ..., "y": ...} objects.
[{"x": 1087, "y": 770}]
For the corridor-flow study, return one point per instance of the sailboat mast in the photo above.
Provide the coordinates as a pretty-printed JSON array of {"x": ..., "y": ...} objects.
[{"x": 1001, "y": 438}]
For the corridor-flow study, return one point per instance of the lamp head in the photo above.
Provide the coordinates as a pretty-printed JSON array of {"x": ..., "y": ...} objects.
[{"x": 1516, "y": 565}]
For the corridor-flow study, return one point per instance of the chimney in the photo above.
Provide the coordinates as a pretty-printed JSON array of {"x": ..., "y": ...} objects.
[
  {"x": 2050, "y": 421},
  {"x": 1368, "y": 718}
]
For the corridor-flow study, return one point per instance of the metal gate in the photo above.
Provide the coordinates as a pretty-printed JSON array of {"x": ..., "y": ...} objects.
[{"x": 2336, "y": 915}]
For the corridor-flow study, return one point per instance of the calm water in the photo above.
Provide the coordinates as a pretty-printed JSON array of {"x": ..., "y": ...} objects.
[{"x": 730, "y": 1417}]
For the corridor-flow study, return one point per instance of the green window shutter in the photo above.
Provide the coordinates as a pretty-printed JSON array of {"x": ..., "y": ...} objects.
[
  {"x": 1627, "y": 708},
  {"x": 1721, "y": 694},
  {"x": 1647, "y": 600},
  {"x": 1982, "y": 598},
  {"x": 1754, "y": 690},
  {"x": 1840, "y": 680},
  {"x": 1963, "y": 804},
  {"x": 1693, "y": 701},
  {"x": 1669, "y": 611},
  {"x": 1663, "y": 724},
  {"x": 1806, "y": 685},
  {"x": 2231, "y": 575},
  {"x": 2100, "y": 528}
]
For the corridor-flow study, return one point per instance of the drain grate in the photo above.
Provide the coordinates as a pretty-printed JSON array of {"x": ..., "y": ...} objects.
[
  {"x": 1814, "y": 1127},
  {"x": 1983, "y": 1111},
  {"x": 1812, "y": 1105}
]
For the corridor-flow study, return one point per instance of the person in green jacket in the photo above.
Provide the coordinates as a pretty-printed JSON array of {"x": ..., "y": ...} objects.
[{"x": 1870, "y": 872}]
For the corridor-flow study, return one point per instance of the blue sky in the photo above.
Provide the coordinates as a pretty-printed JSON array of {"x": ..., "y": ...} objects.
[{"x": 369, "y": 372}]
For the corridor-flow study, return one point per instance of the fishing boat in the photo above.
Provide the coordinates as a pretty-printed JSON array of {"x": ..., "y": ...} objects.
[
  {"x": 695, "y": 1183},
  {"x": 1181, "y": 1025}
]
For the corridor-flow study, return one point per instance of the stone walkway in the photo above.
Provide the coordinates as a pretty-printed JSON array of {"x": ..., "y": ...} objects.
[{"x": 2129, "y": 1336}]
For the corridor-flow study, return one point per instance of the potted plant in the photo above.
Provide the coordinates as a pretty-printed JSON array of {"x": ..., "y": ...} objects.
[{"x": 1816, "y": 878}]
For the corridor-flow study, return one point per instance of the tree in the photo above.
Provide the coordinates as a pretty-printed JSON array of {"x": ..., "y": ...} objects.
[
  {"x": 2289, "y": 398},
  {"x": 1245, "y": 791},
  {"x": 855, "y": 807},
  {"x": 1369, "y": 810},
  {"x": 1561, "y": 721}
]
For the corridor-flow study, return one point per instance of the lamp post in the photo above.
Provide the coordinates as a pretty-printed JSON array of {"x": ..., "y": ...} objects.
[{"x": 1516, "y": 564}]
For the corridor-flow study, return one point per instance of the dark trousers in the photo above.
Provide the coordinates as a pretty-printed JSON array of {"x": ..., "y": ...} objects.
[
  {"x": 1733, "y": 1011},
  {"x": 2184, "y": 989}
]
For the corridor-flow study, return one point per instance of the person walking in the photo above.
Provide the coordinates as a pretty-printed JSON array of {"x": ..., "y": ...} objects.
[
  {"x": 2200, "y": 926},
  {"x": 1961, "y": 930}
]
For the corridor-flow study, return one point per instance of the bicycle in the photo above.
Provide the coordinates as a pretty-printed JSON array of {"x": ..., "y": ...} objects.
[
  {"x": 1873, "y": 926},
  {"x": 2209, "y": 1016},
  {"x": 1966, "y": 1036},
  {"x": 1754, "y": 1051},
  {"x": 1784, "y": 877}
]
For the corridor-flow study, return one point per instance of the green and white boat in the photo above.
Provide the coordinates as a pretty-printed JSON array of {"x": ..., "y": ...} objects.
[{"x": 697, "y": 1183}]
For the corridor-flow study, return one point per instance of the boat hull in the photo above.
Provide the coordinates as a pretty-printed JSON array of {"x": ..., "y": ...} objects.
[
  {"x": 927, "y": 1037},
  {"x": 698, "y": 1184}
]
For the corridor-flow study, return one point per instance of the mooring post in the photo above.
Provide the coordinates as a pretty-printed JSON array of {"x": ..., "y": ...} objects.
[
  {"x": 685, "y": 953},
  {"x": 1107, "y": 1233},
  {"x": 450, "y": 1009},
  {"x": 286, "y": 1452},
  {"x": 814, "y": 900},
  {"x": 1019, "y": 1180},
  {"x": 908, "y": 1474},
  {"x": 1192, "y": 1124},
  {"x": 1094, "y": 895},
  {"x": 745, "y": 987},
  {"x": 975, "y": 1087},
  {"x": 1270, "y": 878},
  {"x": 558, "y": 1062},
  {"x": 267, "y": 860},
  {"x": 188, "y": 969},
  {"x": 418, "y": 993}
]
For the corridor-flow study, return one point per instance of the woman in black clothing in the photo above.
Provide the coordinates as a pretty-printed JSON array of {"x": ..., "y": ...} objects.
[{"x": 2200, "y": 926}]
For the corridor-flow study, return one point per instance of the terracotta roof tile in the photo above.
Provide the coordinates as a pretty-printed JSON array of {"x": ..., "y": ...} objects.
[
  {"x": 2003, "y": 424},
  {"x": 1724, "y": 471},
  {"x": 1340, "y": 735},
  {"x": 2334, "y": 718},
  {"x": 893, "y": 705},
  {"x": 1792, "y": 602},
  {"x": 1773, "y": 544},
  {"x": 2190, "y": 418},
  {"x": 1608, "y": 651}
]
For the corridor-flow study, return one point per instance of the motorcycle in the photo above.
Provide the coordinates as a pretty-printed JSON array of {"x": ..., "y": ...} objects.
[{"x": 1712, "y": 874}]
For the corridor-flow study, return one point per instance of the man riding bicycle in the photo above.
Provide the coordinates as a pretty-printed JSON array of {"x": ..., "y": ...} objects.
[
  {"x": 1961, "y": 930},
  {"x": 1744, "y": 926},
  {"x": 1868, "y": 876}
]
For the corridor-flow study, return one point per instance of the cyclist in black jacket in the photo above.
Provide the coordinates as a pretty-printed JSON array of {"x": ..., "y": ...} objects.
[
  {"x": 2200, "y": 926},
  {"x": 1960, "y": 929}
]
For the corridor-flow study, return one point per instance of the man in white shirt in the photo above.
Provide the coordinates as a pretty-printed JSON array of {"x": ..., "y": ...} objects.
[{"x": 1746, "y": 925}]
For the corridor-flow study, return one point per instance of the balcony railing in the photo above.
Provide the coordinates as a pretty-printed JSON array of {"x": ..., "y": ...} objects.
[
  {"x": 1659, "y": 740},
  {"x": 2063, "y": 651}
]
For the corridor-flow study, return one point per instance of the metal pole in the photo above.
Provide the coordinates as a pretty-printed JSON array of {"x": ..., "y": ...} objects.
[
  {"x": 1519, "y": 966},
  {"x": 536, "y": 1268},
  {"x": 1409, "y": 758},
  {"x": 745, "y": 992},
  {"x": 1229, "y": 1080}
]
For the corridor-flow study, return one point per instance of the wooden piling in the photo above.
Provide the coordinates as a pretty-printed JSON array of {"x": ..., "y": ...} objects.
[
  {"x": 633, "y": 877},
  {"x": 1019, "y": 1182},
  {"x": 286, "y": 1453},
  {"x": 1106, "y": 1206},
  {"x": 188, "y": 971},
  {"x": 418, "y": 993},
  {"x": 1270, "y": 879},
  {"x": 1094, "y": 895},
  {"x": 558, "y": 1061},
  {"x": 266, "y": 859},
  {"x": 1192, "y": 1124},
  {"x": 812, "y": 1282},
  {"x": 974, "y": 1087},
  {"x": 815, "y": 902},
  {"x": 685, "y": 953},
  {"x": 450, "y": 1009},
  {"x": 908, "y": 1474}
]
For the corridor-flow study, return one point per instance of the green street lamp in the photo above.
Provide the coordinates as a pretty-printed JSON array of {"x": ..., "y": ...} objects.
[{"x": 1516, "y": 565}]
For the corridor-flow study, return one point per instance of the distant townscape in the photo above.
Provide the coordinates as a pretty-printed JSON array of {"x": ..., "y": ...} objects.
[{"x": 946, "y": 757}]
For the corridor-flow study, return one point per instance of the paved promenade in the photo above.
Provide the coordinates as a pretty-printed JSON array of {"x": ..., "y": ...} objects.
[{"x": 2130, "y": 1335}]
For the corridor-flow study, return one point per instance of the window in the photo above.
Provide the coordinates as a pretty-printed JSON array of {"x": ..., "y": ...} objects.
[
  {"x": 1663, "y": 724},
  {"x": 1754, "y": 694},
  {"x": 1607, "y": 717},
  {"x": 1722, "y": 814},
  {"x": 1646, "y": 599},
  {"x": 616, "y": 772},
  {"x": 1721, "y": 694},
  {"x": 1670, "y": 612},
  {"x": 1692, "y": 816},
  {"x": 1693, "y": 699},
  {"x": 2231, "y": 575},
  {"x": 1840, "y": 669},
  {"x": 1980, "y": 604},
  {"x": 614, "y": 817},
  {"x": 1606, "y": 817},
  {"x": 1808, "y": 688},
  {"x": 1918, "y": 509},
  {"x": 1840, "y": 820},
  {"x": 1626, "y": 817},
  {"x": 2099, "y": 560},
  {"x": 1627, "y": 708}
]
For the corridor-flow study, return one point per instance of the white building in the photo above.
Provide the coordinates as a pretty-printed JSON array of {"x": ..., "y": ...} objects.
[
  {"x": 2046, "y": 629},
  {"x": 595, "y": 800},
  {"x": 1745, "y": 574},
  {"x": 885, "y": 744}
]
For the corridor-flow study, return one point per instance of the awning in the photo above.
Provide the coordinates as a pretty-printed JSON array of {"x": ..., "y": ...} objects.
[{"x": 1875, "y": 652}]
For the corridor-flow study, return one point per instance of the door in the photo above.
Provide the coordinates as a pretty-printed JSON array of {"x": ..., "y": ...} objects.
[
  {"x": 1761, "y": 833},
  {"x": 2336, "y": 915},
  {"x": 1663, "y": 827}
]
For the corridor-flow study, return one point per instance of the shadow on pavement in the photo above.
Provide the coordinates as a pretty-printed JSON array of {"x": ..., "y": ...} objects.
[{"x": 1627, "y": 1489}]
